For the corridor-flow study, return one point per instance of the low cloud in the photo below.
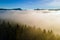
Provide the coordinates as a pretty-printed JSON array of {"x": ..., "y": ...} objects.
[{"x": 48, "y": 21}]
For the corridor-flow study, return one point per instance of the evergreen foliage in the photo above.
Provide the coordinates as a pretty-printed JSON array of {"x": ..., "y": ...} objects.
[{"x": 24, "y": 32}]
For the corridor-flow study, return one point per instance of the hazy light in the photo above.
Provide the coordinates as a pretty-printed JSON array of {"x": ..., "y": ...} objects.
[{"x": 49, "y": 20}]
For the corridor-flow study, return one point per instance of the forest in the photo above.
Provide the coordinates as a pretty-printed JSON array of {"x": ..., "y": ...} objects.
[{"x": 14, "y": 31}]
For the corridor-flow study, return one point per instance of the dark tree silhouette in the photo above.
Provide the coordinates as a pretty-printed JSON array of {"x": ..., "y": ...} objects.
[{"x": 8, "y": 31}]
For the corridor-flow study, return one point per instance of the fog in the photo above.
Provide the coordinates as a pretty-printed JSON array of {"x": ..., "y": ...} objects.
[{"x": 44, "y": 19}]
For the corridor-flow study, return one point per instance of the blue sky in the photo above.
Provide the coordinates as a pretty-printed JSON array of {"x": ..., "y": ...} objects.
[{"x": 29, "y": 4}]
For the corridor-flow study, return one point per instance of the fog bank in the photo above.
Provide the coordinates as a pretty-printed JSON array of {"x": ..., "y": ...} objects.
[{"x": 43, "y": 19}]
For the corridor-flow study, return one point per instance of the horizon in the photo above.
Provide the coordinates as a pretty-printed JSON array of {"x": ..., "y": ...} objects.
[{"x": 33, "y": 9}]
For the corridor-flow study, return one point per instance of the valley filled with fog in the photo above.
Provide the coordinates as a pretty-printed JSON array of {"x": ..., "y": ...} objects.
[{"x": 49, "y": 20}]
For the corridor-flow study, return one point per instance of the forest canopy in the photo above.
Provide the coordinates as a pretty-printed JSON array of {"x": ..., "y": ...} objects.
[{"x": 9, "y": 31}]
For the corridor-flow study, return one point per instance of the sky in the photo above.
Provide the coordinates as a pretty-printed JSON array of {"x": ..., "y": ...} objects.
[{"x": 30, "y": 4}]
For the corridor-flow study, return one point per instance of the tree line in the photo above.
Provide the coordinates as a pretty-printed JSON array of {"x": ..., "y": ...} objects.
[{"x": 9, "y": 31}]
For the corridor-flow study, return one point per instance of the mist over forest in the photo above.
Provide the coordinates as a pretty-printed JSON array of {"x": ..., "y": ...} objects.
[{"x": 48, "y": 21}]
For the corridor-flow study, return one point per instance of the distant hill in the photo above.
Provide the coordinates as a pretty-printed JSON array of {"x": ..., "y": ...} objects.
[
  {"x": 17, "y": 9},
  {"x": 11, "y": 9},
  {"x": 54, "y": 9},
  {"x": 48, "y": 9}
]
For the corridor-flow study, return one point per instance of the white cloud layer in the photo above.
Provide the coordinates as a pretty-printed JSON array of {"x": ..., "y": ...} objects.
[{"x": 49, "y": 20}]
